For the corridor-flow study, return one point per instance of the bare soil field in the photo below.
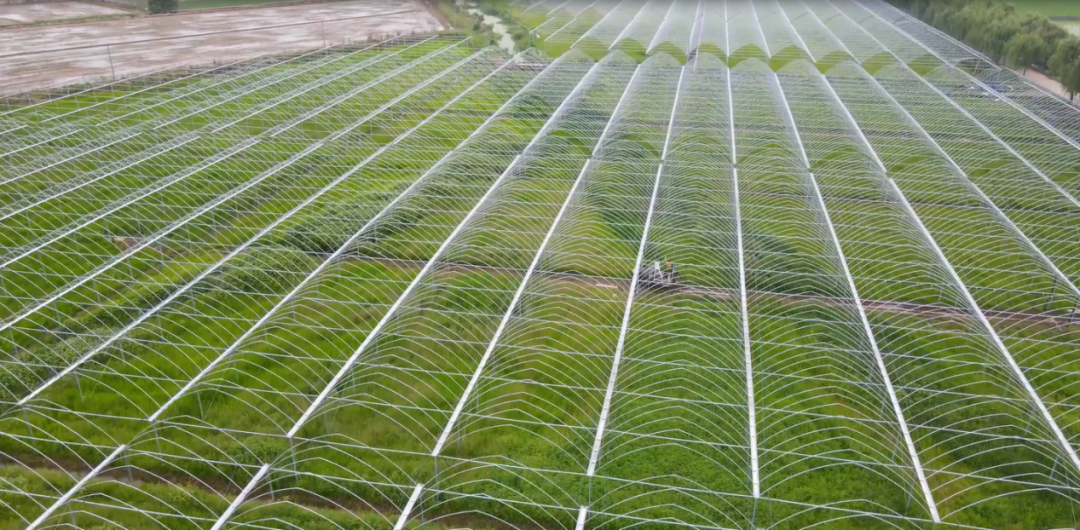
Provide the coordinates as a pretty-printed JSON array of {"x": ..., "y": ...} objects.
[
  {"x": 42, "y": 56},
  {"x": 24, "y": 13}
]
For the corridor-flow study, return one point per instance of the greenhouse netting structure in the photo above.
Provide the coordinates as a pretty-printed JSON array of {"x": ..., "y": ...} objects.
[{"x": 693, "y": 264}]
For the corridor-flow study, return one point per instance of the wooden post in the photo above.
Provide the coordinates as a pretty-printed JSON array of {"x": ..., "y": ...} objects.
[{"x": 108, "y": 50}]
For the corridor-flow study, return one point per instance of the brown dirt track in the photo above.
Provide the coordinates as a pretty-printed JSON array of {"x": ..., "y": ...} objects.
[{"x": 39, "y": 56}]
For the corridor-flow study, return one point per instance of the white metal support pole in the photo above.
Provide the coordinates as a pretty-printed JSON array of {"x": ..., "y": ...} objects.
[
  {"x": 433, "y": 261},
  {"x": 913, "y": 454},
  {"x": 789, "y": 117},
  {"x": 878, "y": 357},
  {"x": 1058, "y": 434},
  {"x": 1003, "y": 98},
  {"x": 660, "y": 29},
  {"x": 847, "y": 113},
  {"x": 75, "y": 489},
  {"x": 564, "y": 26},
  {"x": 795, "y": 33},
  {"x": 605, "y": 411},
  {"x": 449, "y": 428},
  {"x": 593, "y": 28},
  {"x": 542, "y": 3},
  {"x": 962, "y": 175},
  {"x": 695, "y": 29},
  {"x": 508, "y": 314},
  {"x": 755, "y": 472},
  {"x": 761, "y": 31},
  {"x": 239, "y": 249},
  {"x": 632, "y": 23},
  {"x": 108, "y": 49},
  {"x": 413, "y": 498},
  {"x": 235, "y": 504}
]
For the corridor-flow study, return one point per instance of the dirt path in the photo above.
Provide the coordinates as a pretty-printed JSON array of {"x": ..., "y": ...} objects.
[
  {"x": 883, "y": 306},
  {"x": 24, "y": 13},
  {"x": 37, "y": 57},
  {"x": 1045, "y": 82}
]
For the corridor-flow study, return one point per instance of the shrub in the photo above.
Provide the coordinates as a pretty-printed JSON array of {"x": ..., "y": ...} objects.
[{"x": 163, "y": 6}]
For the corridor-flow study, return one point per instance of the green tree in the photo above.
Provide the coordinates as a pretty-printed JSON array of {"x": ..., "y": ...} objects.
[
  {"x": 1026, "y": 49},
  {"x": 1044, "y": 28},
  {"x": 163, "y": 6},
  {"x": 1065, "y": 55},
  {"x": 1071, "y": 79},
  {"x": 998, "y": 36}
]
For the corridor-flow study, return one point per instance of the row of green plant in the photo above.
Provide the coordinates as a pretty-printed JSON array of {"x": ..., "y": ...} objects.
[
  {"x": 503, "y": 133},
  {"x": 127, "y": 166},
  {"x": 855, "y": 481},
  {"x": 799, "y": 328},
  {"x": 508, "y": 441},
  {"x": 1060, "y": 162},
  {"x": 158, "y": 95},
  {"x": 232, "y": 292},
  {"x": 389, "y": 168},
  {"x": 926, "y": 353},
  {"x": 112, "y": 302},
  {"x": 205, "y": 104},
  {"x": 38, "y": 274}
]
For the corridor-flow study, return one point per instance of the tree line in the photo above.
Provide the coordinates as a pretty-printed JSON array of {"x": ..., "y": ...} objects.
[{"x": 1020, "y": 40}]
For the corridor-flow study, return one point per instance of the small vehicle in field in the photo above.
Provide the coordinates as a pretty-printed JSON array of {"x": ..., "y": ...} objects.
[{"x": 656, "y": 276}]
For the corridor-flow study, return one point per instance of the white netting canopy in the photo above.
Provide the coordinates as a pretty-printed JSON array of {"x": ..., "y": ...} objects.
[{"x": 717, "y": 265}]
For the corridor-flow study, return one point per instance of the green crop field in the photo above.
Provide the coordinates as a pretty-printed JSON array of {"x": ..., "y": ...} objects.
[
  {"x": 1050, "y": 8},
  {"x": 709, "y": 265}
]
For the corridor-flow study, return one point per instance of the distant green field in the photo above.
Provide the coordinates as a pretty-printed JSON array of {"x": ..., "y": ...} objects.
[
  {"x": 1050, "y": 8},
  {"x": 213, "y": 4}
]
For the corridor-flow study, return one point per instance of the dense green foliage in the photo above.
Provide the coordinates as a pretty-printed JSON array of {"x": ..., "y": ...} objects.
[
  {"x": 508, "y": 12},
  {"x": 1025, "y": 49}
]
